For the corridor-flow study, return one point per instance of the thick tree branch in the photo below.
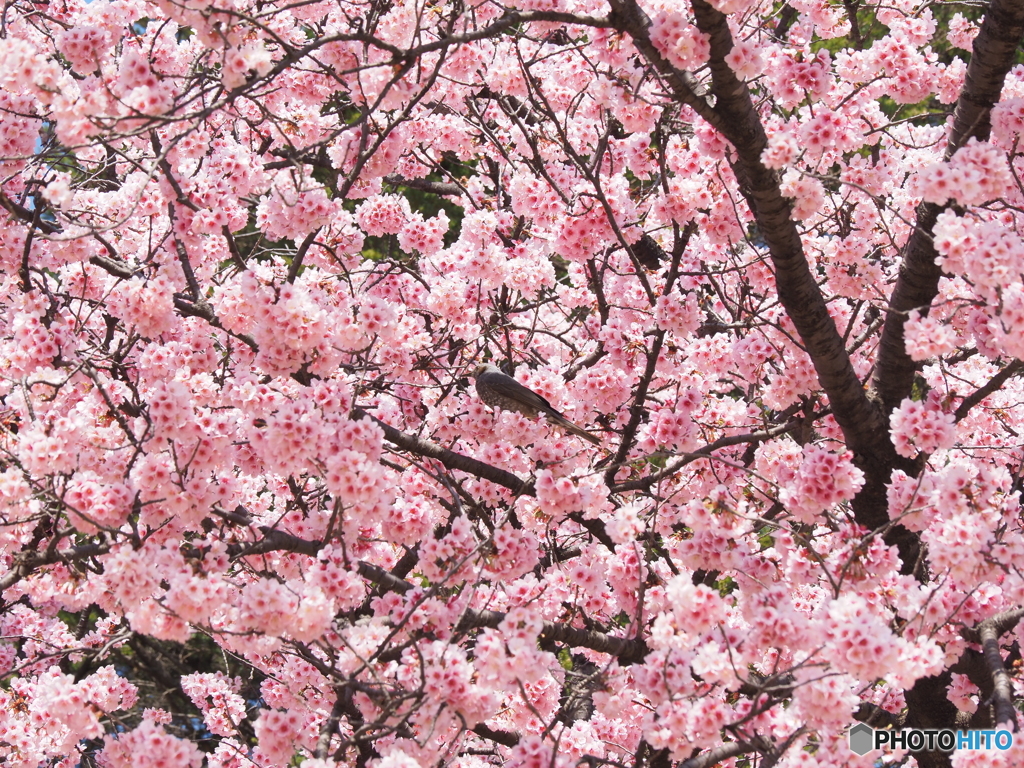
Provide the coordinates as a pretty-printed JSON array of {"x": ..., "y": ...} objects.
[
  {"x": 26, "y": 562},
  {"x": 718, "y": 755},
  {"x": 864, "y": 429},
  {"x": 645, "y": 483},
  {"x": 328, "y": 728},
  {"x": 203, "y": 310},
  {"x": 628, "y": 17},
  {"x": 987, "y": 634},
  {"x": 28, "y": 216},
  {"x": 918, "y": 283},
  {"x": 499, "y": 737},
  {"x": 450, "y": 459},
  {"x": 636, "y": 409},
  {"x": 986, "y": 389},
  {"x": 623, "y": 648},
  {"x": 381, "y": 577},
  {"x": 115, "y": 267},
  {"x": 1001, "y": 623},
  {"x": 1002, "y": 690},
  {"x": 275, "y": 540},
  {"x": 994, "y": 53},
  {"x": 300, "y": 255},
  {"x": 916, "y": 287},
  {"x": 435, "y": 187}
]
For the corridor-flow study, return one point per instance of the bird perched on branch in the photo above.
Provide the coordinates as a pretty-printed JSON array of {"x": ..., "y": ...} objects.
[{"x": 499, "y": 390}]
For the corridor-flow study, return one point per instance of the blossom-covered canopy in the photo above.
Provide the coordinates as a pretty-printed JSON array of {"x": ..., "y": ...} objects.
[{"x": 254, "y": 513}]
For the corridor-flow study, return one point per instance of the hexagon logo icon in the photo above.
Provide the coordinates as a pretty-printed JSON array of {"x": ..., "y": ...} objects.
[{"x": 862, "y": 739}]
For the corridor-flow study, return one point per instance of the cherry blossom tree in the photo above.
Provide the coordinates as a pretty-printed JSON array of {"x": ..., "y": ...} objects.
[{"x": 254, "y": 513}]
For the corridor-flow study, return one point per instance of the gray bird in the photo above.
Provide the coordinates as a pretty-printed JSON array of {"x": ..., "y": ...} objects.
[{"x": 499, "y": 390}]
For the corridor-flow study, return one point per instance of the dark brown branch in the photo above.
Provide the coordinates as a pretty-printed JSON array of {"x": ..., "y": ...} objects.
[
  {"x": 26, "y": 562},
  {"x": 450, "y": 459},
  {"x": 645, "y": 483},
  {"x": 205, "y": 311},
  {"x": 787, "y": 16},
  {"x": 995, "y": 49},
  {"x": 186, "y": 265},
  {"x": 437, "y": 187},
  {"x": 114, "y": 267},
  {"x": 1002, "y": 690},
  {"x": 628, "y": 651},
  {"x": 717, "y": 755},
  {"x": 236, "y": 255},
  {"x": 1001, "y": 623},
  {"x": 499, "y": 737},
  {"x": 379, "y": 576},
  {"x": 300, "y": 255},
  {"x": 864, "y": 429},
  {"x": 992, "y": 678},
  {"x": 988, "y": 388},
  {"x": 275, "y": 540},
  {"x": 23, "y": 213},
  {"x": 624, "y": 649},
  {"x": 917, "y": 285},
  {"x": 851, "y": 16},
  {"x": 328, "y": 728},
  {"x": 24, "y": 273},
  {"x": 628, "y": 17},
  {"x": 365, "y": 750},
  {"x": 636, "y": 410}
]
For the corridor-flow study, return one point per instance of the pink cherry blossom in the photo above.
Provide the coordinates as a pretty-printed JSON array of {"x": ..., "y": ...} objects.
[
  {"x": 918, "y": 426},
  {"x": 679, "y": 42}
]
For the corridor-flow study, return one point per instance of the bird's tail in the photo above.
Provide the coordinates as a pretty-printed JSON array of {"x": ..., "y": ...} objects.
[{"x": 568, "y": 426}]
